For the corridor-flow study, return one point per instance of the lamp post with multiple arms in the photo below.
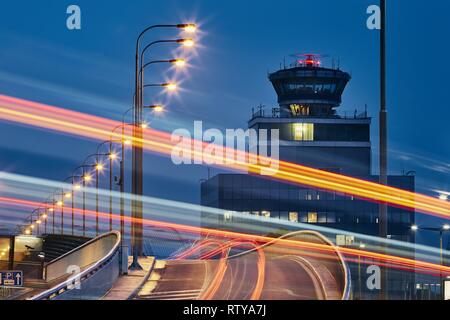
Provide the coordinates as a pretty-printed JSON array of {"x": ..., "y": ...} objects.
[
  {"x": 445, "y": 228},
  {"x": 136, "y": 142},
  {"x": 137, "y": 153}
]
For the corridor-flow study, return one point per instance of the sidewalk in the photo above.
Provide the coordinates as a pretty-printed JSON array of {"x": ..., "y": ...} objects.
[{"x": 127, "y": 286}]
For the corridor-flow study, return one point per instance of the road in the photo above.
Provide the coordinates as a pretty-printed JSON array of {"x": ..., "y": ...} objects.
[{"x": 247, "y": 271}]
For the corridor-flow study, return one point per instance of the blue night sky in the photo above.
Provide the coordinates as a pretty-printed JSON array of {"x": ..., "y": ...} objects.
[{"x": 91, "y": 70}]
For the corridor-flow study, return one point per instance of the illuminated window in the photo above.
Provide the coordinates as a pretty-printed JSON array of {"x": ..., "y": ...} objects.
[
  {"x": 228, "y": 216},
  {"x": 293, "y": 216},
  {"x": 303, "y": 131},
  {"x": 298, "y": 110},
  {"x": 312, "y": 217},
  {"x": 265, "y": 214}
]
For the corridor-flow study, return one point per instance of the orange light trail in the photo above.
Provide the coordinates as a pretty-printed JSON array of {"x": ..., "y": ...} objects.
[
  {"x": 393, "y": 260},
  {"x": 224, "y": 249},
  {"x": 44, "y": 116}
]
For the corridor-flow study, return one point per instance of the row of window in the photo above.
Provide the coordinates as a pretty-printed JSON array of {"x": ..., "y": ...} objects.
[
  {"x": 324, "y": 217},
  {"x": 282, "y": 194},
  {"x": 312, "y": 88},
  {"x": 292, "y": 216}
]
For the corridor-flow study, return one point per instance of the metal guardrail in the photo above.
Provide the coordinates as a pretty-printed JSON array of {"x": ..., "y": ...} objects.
[{"x": 70, "y": 284}]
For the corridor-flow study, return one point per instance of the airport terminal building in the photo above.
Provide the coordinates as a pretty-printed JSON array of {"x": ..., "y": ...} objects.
[{"x": 313, "y": 134}]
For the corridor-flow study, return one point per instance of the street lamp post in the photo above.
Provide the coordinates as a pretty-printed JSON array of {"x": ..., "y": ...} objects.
[
  {"x": 71, "y": 197},
  {"x": 86, "y": 178},
  {"x": 445, "y": 228},
  {"x": 383, "y": 221},
  {"x": 111, "y": 156},
  {"x": 121, "y": 182},
  {"x": 123, "y": 141},
  {"x": 137, "y": 183}
]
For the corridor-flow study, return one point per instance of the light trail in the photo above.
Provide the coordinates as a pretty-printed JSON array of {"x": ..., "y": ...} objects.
[
  {"x": 214, "y": 286},
  {"x": 93, "y": 127},
  {"x": 224, "y": 248},
  {"x": 19, "y": 186},
  {"x": 391, "y": 259}
]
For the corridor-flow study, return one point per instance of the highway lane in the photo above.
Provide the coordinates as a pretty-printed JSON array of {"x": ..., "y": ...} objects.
[{"x": 264, "y": 272}]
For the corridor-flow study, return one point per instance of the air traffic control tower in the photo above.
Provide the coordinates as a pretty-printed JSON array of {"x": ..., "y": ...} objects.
[{"x": 311, "y": 131}]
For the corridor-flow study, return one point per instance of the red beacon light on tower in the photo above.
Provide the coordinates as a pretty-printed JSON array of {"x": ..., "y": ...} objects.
[{"x": 308, "y": 60}]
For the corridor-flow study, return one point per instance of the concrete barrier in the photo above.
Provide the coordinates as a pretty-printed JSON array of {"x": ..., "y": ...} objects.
[{"x": 97, "y": 263}]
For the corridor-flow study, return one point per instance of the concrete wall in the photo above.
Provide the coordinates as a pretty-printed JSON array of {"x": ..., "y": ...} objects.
[{"x": 80, "y": 257}]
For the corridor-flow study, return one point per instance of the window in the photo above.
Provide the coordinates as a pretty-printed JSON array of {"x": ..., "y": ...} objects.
[
  {"x": 303, "y": 131},
  {"x": 293, "y": 216},
  {"x": 331, "y": 217},
  {"x": 303, "y": 217},
  {"x": 322, "y": 217},
  {"x": 4, "y": 251},
  {"x": 312, "y": 217},
  {"x": 284, "y": 215},
  {"x": 299, "y": 110},
  {"x": 265, "y": 214},
  {"x": 228, "y": 216}
]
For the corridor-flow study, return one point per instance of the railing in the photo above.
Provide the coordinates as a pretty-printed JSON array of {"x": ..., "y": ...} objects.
[
  {"x": 99, "y": 254},
  {"x": 274, "y": 113}
]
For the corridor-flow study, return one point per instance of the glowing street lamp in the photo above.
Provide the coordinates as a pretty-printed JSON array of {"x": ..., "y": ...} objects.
[
  {"x": 188, "y": 43},
  {"x": 99, "y": 167},
  {"x": 158, "y": 108},
  {"x": 188, "y": 27},
  {"x": 170, "y": 86},
  {"x": 112, "y": 156},
  {"x": 180, "y": 63}
]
